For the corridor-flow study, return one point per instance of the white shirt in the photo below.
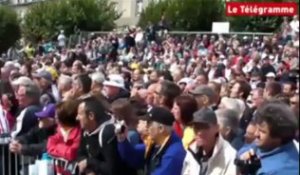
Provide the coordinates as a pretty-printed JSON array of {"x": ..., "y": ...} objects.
[
  {"x": 295, "y": 26},
  {"x": 61, "y": 40},
  {"x": 139, "y": 37}
]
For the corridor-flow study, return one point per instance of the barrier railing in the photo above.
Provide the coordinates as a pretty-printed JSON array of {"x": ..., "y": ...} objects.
[{"x": 15, "y": 164}]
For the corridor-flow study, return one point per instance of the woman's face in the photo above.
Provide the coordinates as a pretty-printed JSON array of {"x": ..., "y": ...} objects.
[{"x": 176, "y": 111}]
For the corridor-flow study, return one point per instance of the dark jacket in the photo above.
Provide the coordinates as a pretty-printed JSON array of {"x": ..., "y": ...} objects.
[
  {"x": 101, "y": 151},
  {"x": 246, "y": 118},
  {"x": 26, "y": 120},
  {"x": 237, "y": 140},
  {"x": 34, "y": 143},
  {"x": 168, "y": 161}
]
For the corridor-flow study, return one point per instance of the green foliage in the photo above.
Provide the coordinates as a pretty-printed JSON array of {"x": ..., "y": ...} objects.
[
  {"x": 256, "y": 23},
  {"x": 191, "y": 15},
  {"x": 9, "y": 28},
  {"x": 45, "y": 19}
]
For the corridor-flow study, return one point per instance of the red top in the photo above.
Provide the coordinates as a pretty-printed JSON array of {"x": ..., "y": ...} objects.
[
  {"x": 57, "y": 147},
  {"x": 66, "y": 150},
  {"x": 178, "y": 129}
]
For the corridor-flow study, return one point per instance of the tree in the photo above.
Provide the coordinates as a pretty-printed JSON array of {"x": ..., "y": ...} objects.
[
  {"x": 191, "y": 15},
  {"x": 45, "y": 19},
  {"x": 9, "y": 28},
  {"x": 257, "y": 23}
]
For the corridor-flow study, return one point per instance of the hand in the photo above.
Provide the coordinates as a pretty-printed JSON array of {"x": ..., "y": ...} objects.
[
  {"x": 247, "y": 155},
  {"x": 15, "y": 147},
  {"x": 82, "y": 165},
  {"x": 121, "y": 137}
]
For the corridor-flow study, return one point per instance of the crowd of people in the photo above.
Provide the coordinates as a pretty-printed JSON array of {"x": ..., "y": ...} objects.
[{"x": 157, "y": 104}]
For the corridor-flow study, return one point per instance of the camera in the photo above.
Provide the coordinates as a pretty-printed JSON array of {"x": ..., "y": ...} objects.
[
  {"x": 248, "y": 167},
  {"x": 120, "y": 127}
]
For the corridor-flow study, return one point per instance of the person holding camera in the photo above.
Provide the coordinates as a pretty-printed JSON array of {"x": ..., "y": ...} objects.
[
  {"x": 274, "y": 151},
  {"x": 98, "y": 152},
  {"x": 164, "y": 155}
]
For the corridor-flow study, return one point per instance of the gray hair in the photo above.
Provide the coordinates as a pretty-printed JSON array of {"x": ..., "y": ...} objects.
[
  {"x": 228, "y": 118},
  {"x": 33, "y": 92},
  {"x": 97, "y": 77},
  {"x": 23, "y": 81},
  {"x": 65, "y": 80}
]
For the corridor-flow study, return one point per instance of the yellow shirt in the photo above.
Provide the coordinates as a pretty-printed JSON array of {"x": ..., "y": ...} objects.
[{"x": 188, "y": 137}]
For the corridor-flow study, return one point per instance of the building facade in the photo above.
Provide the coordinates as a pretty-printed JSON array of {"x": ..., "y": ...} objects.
[{"x": 130, "y": 9}]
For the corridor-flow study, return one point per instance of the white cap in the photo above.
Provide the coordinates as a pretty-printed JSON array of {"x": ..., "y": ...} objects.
[
  {"x": 270, "y": 75},
  {"x": 115, "y": 80},
  {"x": 186, "y": 80}
]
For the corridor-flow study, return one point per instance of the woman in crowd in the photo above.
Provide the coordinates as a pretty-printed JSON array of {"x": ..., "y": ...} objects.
[
  {"x": 65, "y": 143},
  {"x": 183, "y": 109}
]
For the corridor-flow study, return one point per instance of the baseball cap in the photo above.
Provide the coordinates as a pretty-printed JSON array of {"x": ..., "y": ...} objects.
[
  {"x": 205, "y": 115},
  {"x": 271, "y": 75},
  {"x": 203, "y": 90},
  {"x": 43, "y": 74},
  {"x": 47, "y": 112},
  {"x": 160, "y": 115},
  {"x": 115, "y": 80}
]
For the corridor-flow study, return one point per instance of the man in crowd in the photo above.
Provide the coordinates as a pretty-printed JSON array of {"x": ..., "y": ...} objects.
[
  {"x": 98, "y": 152},
  {"x": 81, "y": 86},
  {"x": 228, "y": 121},
  {"x": 44, "y": 80},
  {"x": 33, "y": 143},
  {"x": 114, "y": 88},
  {"x": 276, "y": 129},
  {"x": 241, "y": 90},
  {"x": 64, "y": 85},
  {"x": 165, "y": 93},
  {"x": 209, "y": 153},
  {"x": 28, "y": 97},
  {"x": 205, "y": 97},
  {"x": 164, "y": 155}
]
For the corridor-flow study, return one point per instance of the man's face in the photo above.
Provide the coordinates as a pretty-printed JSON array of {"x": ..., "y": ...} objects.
[
  {"x": 44, "y": 84},
  {"x": 256, "y": 100},
  {"x": 136, "y": 75},
  {"x": 294, "y": 103},
  {"x": 270, "y": 79},
  {"x": 46, "y": 122},
  {"x": 205, "y": 134},
  {"x": 77, "y": 88},
  {"x": 23, "y": 99},
  {"x": 154, "y": 130},
  {"x": 287, "y": 89},
  {"x": 263, "y": 137},
  {"x": 201, "y": 80},
  {"x": 82, "y": 117},
  {"x": 158, "y": 96},
  {"x": 250, "y": 133},
  {"x": 154, "y": 77},
  {"x": 235, "y": 91},
  {"x": 111, "y": 91}
]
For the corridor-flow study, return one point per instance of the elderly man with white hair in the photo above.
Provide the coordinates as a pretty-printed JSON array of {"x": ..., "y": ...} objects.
[
  {"x": 232, "y": 104},
  {"x": 228, "y": 121},
  {"x": 97, "y": 82},
  {"x": 64, "y": 85}
]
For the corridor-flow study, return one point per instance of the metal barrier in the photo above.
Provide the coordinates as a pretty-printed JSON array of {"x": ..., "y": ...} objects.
[
  {"x": 14, "y": 164},
  {"x": 11, "y": 164}
]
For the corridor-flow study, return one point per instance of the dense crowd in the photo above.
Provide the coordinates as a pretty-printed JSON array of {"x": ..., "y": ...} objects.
[{"x": 148, "y": 102}]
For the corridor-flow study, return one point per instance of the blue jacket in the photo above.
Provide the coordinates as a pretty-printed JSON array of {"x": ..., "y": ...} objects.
[
  {"x": 283, "y": 160},
  {"x": 170, "y": 163}
]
